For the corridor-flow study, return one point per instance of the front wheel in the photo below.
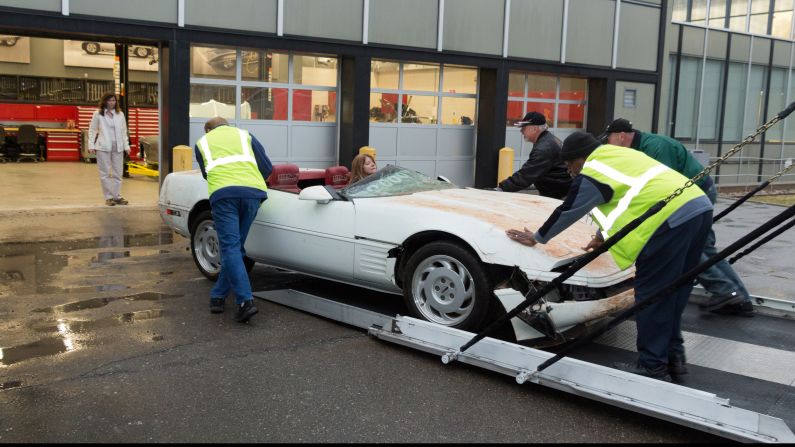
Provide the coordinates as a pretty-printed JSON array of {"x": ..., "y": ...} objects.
[
  {"x": 206, "y": 249},
  {"x": 446, "y": 284}
]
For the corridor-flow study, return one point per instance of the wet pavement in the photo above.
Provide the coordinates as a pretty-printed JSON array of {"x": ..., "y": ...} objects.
[{"x": 105, "y": 336}]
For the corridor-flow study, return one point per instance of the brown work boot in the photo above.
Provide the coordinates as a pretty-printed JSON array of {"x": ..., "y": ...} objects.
[
  {"x": 121, "y": 201},
  {"x": 110, "y": 202}
]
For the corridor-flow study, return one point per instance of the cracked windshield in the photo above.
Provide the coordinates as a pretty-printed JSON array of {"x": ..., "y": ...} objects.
[{"x": 394, "y": 181}]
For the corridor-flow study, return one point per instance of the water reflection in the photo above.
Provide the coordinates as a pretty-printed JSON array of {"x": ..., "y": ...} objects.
[
  {"x": 95, "y": 303},
  {"x": 40, "y": 348},
  {"x": 27, "y": 268},
  {"x": 65, "y": 326}
]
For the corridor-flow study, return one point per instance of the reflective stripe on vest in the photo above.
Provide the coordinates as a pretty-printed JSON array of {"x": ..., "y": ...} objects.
[
  {"x": 210, "y": 163},
  {"x": 636, "y": 184}
]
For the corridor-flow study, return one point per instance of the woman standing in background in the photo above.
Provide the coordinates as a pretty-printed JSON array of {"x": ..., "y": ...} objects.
[{"x": 108, "y": 139}]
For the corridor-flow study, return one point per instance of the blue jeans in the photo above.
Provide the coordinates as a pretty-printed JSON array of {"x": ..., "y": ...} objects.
[
  {"x": 233, "y": 218},
  {"x": 720, "y": 279},
  {"x": 668, "y": 254}
]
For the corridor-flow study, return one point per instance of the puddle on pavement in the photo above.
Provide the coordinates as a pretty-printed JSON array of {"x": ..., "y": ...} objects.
[
  {"x": 64, "y": 331},
  {"x": 95, "y": 303},
  {"x": 10, "y": 384},
  {"x": 62, "y": 326},
  {"x": 29, "y": 267},
  {"x": 41, "y": 348}
]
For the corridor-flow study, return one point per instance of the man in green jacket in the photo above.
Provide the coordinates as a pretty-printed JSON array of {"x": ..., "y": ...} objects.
[{"x": 728, "y": 293}]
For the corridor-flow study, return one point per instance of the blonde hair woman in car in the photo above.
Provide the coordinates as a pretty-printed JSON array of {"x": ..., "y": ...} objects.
[{"x": 108, "y": 139}]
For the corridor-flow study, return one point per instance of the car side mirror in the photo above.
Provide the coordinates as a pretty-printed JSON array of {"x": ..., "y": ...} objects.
[{"x": 317, "y": 193}]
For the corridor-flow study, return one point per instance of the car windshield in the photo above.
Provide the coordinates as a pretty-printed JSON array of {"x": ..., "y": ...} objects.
[{"x": 394, "y": 181}]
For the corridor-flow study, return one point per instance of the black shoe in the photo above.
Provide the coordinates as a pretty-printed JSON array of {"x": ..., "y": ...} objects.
[
  {"x": 677, "y": 365},
  {"x": 246, "y": 311},
  {"x": 718, "y": 301},
  {"x": 659, "y": 373},
  {"x": 216, "y": 305},
  {"x": 744, "y": 309}
]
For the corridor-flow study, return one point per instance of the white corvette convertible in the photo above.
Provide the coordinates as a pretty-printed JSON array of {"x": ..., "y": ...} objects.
[{"x": 441, "y": 246}]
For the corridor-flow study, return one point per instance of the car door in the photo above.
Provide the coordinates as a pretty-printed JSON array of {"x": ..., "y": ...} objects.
[{"x": 304, "y": 235}]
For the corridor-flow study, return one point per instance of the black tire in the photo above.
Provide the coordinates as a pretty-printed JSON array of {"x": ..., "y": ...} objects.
[
  {"x": 446, "y": 284},
  {"x": 205, "y": 249}
]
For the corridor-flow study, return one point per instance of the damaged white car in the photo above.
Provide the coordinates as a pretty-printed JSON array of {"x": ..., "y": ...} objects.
[{"x": 441, "y": 246}]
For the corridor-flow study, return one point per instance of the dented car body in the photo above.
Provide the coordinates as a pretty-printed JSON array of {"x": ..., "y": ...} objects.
[{"x": 442, "y": 247}]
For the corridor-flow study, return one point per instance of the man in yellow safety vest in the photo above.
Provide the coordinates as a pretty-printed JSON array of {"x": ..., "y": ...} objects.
[
  {"x": 235, "y": 165},
  {"x": 619, "y": 185}
]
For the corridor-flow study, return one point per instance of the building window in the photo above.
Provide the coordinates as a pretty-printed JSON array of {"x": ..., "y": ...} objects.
[
  {"x": 278, "y": 86},
  {"x": 422, "y": 93},
  {"x": 562, "y": 100},
  {"x": 630, "y": 96}
]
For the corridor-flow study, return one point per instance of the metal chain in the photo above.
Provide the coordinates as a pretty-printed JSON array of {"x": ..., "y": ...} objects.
[
  {"x": 781, "y": 172},
  {"x": 749, "y": 139}
]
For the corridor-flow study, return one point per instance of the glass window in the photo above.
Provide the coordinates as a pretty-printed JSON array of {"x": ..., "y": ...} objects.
[
  {"x": 515, "y": 112},
  {"x": 572, "y": 89},
  {"x": 759, "y": 14},
  {"x": 717, "y": 13},
  {"x": 541, "y": 86},
  {"x": 383, "y": 107},
  {"x": 545, "y": 108},
  {"x": 777, "y": 101},
  {"x": 755, "y": 102},
  {"x": 314, "y": 105},
  {"x": 460, "y": 79},
  {"x": 264, "y": 66},
  {"x": 315, "y": 70},
  {"x": 687, "y": 98},
  {"x": 213, "y": 62},
  {"x": 738, "y": 15},
  {"x": 711, "y": 101},
  {"x": 423, "y": 77},
  {"x": 384, "y": 74},
  {"x": 698, "y": 12},
  {"x": 735, "y": 102},
  {"x": 680, "y": 10},
  {"x": 458, "y": 111},
  {"x": 571, "y": 116},
  {"x": 516, "y": 84},
  {"x": 419, "y": 109},
  {"x": 782, "y": 24},
  {"x": 263, "y": 103},
  {"x": 207, "y": 101},
  {"x": 789, "y": 126}
]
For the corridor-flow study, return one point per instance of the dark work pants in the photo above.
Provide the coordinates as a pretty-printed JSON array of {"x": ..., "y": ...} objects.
[{"x": 667, "y": 255}]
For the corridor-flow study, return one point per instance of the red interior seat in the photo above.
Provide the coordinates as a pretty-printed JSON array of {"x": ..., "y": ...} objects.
[
  {"x": 337, "y": 177},
  {"x": 284, "y": 178}
]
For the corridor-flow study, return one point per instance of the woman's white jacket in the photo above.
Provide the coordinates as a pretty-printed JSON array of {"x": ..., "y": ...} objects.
[{"x": 101, "y": 135}]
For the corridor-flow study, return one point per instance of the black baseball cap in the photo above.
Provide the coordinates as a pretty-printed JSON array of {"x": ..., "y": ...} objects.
[
  {"x": 531, "y": 119},
  {"x": 618, "y": 125}
]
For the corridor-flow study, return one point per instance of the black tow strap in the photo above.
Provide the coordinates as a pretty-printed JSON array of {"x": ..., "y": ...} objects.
[{"x": 684, "y": 279}]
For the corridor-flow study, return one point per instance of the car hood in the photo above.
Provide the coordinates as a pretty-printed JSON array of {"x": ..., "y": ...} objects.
[{"x": 481, "y": 218}]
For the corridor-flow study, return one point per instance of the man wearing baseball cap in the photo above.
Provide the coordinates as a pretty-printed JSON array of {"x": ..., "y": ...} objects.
[
  {"x": 543, "y": 167},
  {"x": 617, "y": 186},
  {"x": 728, "y": 294}
]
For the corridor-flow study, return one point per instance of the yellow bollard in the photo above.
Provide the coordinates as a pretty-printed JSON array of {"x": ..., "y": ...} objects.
[
  {"x": 183, "y": 158},
  {"x": 369, "y": 150},
  {"x": 505, "y": 165}
]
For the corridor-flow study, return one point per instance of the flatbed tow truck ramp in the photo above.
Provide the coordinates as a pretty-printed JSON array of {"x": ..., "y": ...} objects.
[{"x": 740, "y": 385}]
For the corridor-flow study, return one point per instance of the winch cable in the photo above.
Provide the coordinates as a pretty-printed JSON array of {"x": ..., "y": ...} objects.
[
  {"x": 583, "y": 260},
  {"x": 671, "y": 288},
  {"x": 762, "y": 242},
  {"x": 750, "y": 194}
]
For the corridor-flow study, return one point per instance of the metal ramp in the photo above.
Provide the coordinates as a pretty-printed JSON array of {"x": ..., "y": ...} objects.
[{"x": 674, "y": 403}]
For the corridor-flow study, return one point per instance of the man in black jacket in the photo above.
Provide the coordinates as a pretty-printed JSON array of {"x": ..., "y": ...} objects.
[{"x": 544, "y": 167}]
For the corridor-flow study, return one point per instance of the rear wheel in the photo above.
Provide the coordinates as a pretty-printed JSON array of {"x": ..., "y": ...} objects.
[
  {"x": 446, "y": 284},
  {"x": 206, "y": 249}
]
